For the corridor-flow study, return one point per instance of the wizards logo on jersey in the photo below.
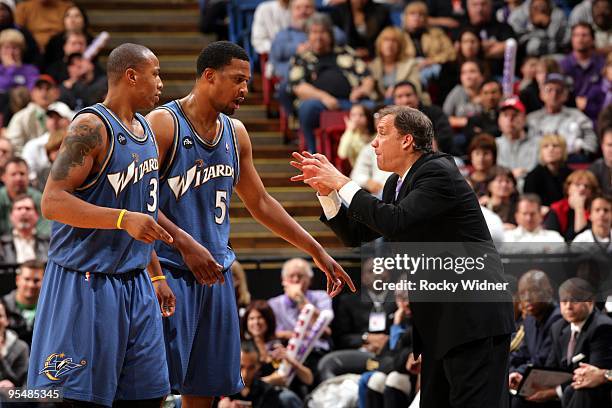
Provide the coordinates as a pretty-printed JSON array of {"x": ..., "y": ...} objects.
[
  {"x": 198, "y": 175},
  {"x": 134, "y": 173},
  {"x": 57, "y": 364}
]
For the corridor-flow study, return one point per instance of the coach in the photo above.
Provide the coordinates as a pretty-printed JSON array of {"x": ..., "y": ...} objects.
[{"x": 464, "y": 346}]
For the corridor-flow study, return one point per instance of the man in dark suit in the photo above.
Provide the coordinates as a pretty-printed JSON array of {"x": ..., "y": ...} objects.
[{"x": 464, "y": 346}]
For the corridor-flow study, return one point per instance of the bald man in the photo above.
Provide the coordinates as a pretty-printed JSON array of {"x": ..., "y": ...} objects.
[{"x": 98, "y": 331}]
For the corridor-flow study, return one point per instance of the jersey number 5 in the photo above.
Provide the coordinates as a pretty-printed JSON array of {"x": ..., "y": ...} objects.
[{"x": 221, "y": 204}]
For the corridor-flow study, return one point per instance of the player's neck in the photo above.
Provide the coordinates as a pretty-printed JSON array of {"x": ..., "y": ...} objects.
[
  {"x": 116, "y": 103},
  {"x": 199, "y": 110}
]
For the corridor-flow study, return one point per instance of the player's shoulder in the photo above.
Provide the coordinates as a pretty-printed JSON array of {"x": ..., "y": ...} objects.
[
  {"x": 160, "y": 117},
  {"x": 87, "y": 123}
]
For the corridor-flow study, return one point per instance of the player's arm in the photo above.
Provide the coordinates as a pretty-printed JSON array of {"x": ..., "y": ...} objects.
[
  {"x": 165, "y": 297},
  {"x": 265, "y": 209},
  {"x": 82, "y": 153},
  {"x": 197, "y": 258}
]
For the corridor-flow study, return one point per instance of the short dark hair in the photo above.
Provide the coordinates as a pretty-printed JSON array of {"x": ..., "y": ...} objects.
[
  {"x": 31, "y": 264},
  {"x": 603, "y": 133},
  {"x": 124, "y": 57},
  {"x": 247, "y": 346},
  {"x": 70, "y": 59},
  {"x": 604, "y": 197},
  {"x": 219, "y": 54},
  {"x": 576, "y": 290},
  {"x": 405, "y": 83},
  {"x": 489, "y": 81},
  {"x": 21, "y": 197},
  {"x": 268, "y": 315},
  {"x": 412, "y": 121},
  {"x": 584, "y": 25},
  {"x": 15, "y": 160},
  {"x": 483, "y": 141},
  {"x": 531, "y": 198}
]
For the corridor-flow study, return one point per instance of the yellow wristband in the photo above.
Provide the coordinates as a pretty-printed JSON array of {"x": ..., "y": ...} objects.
[
  {"x": 120, "y": 218},
  {"x": 156, "y": 278}
]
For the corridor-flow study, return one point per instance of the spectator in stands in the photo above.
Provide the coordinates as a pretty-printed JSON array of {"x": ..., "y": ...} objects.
[
  {"x": 600, "y": 214},
  {"x": 256, "y": 393},
  {"x": 296, "y": 276},
  {"x": 85, "y": 85},
  {"x": 600, "y": 96},
  {"x": 15, "y": 180},
  {"x": 502, "y": 195},
  {"x": 504, "y": 12},
  {"x": 392, "y": 65},
  {"x": 6, "y": 152},
  {"x": 589, "y": 376},
  {"x": 597, "y": 14},
  {"x": 544, "y": 31},
  {"x": 21, "y": 302},
  {"x": 326, "y": 77},
  {"x": 486, "y": 121},
  {"x": 528, "y": 73},
  {"x": 529, "y": 230},
  {"x": 43, "y": 18},
  {"x": 214, "y": 18},
  {"x": 530, "y": 95},
  {"x": 76, "y": 43},
  {"x": 547, "y": 178},
  {"x": 270, "y": 17},
  {"x": 584, "y": 331},
  {"x": 75, "y": 21},
  {"x": 23, "y": 243},
  {"x": 555, "y": 118},
  {"x": 536, "y": 297},
  {"x": 570, "y": 215},
  {"x": 241, "y": 287},
  {"x": 584, "y": 66},
  {"x": 602, "y": 167},
  {"x": 29, "y": 123},
  {"x": 362, "y": 21},
  {"x": 7, "y": 11},
  {"x": 482, "y": 153},
  {"x": 463, "y": 101},
  {"x": 516, "y": 149},
  {"x": 359, "y": 133},
  {"x": 14, "y": 355},
  {"x": 492, "y": 33},
  {"x": 446, "y": 14},
  {"x": 13, "y": 72},
  {"x": 429, "y": 45},
  {"x": 35, "y": 152}
]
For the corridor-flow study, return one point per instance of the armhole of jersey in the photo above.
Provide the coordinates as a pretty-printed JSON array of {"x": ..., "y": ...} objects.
[
  {"x": 236, "y": 151},
  {"x": 163, "y": 172},
  {"x": 148, "y": 131},
  {"x": 91, "y": 181}
]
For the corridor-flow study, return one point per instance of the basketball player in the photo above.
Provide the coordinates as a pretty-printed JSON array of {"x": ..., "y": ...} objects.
[
  {"x": 204, "y": 156},
  {"x": 98, "y": 332}
]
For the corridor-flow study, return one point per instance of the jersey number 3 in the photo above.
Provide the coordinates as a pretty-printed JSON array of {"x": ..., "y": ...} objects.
[{"x": 153, "y": 193}]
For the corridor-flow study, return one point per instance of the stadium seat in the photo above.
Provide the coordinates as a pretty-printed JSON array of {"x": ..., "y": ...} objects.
[{"x": 343, "y": 362}]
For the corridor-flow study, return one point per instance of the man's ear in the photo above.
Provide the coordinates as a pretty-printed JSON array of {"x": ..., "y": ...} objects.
[
  {"x": 407, "y": 141},
  {"x": 131, "y": 75},
  {"x": 209, "y": 75}
]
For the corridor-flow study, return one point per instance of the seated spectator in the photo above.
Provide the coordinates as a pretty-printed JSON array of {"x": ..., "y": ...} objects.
[
  {"x": 35, "y": 152},
  {"x": 43, "y": 18},
  {"x": 391, "y": 65},
  {"x": 362, "y": 21},
  {"x": 241, "y": 287},
  {"x": 29, "y": 123},
  {"x": 541, "y": 28},
  {"x": 602, "y": 167},
  {"x": 13, "y": 72},
  {"x": 516, "y": 149},
  {"x": 528, "y": 73},
  {"x": 6, "y": 152},
  {"x": 600, "y": 214},
  {"x": 7, "y": 11},
  {"x": 14, "y": 355},
  {"x": 429, "y": 45},
  {"x": 490, "y": 95},
  {"x": 75, "y": 21},
  {"x": 270, "y": 17},
  {"x": 21, "y": 302},
  {"x": 405, "y": 94},
  {"x": 85, "y": 85},
  {"x": 529, "y": 230},
  {"x": 504, "y": 12},
  {"x": 463, "y": 101},
  {"x": 584, "y": 331},
  {"x": 584, "y": 66},
  {"x": 256, "y": 393},
  {"x": 342, "y": 79},
  {"x": 366, "y": 173},
  {"x": 589, "y": 376},
  {"x": 76, "y": 43},
  {"x": 15, "y": 180},
  {"x": 23, "y": 243},
  {"x": 555, "y": 118},
  {"x": 601, "y": 96},
  {"x": 446, "y": 14},
  {"x": 296, "y": 276},
  {"x": 359, "y": 133},
  {"x": 502, "y": 195},
  {"x": 482, "y": 153},
  {"x": 536, "y": 297},
  {"x": 547, "y": 178},
  {"x": 597, "y": 13},
  {"x": 530, "y": 95},
  {"x": 570, "y": 216}
]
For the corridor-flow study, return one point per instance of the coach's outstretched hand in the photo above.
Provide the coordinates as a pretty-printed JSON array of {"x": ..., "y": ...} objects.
[
  {"x": 144, "y": 228},
  {"x": 336, "y": 276}
]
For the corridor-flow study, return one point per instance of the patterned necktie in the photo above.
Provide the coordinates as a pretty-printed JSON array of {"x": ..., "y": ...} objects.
[
  {"x": 398, "y": 187},
  {"x": 571, "y": 346}
]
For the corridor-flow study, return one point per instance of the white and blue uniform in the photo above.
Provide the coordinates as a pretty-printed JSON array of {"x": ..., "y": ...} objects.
[
  {"x": 203, "y": 336},
  {"x": 98, "y": 331}
]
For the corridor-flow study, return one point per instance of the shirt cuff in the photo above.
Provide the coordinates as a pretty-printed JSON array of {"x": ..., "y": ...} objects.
[
  {"x": 348, "y": 191},
  {"x": 330, "y": 203},
  {"x": 559, "y": 391}
]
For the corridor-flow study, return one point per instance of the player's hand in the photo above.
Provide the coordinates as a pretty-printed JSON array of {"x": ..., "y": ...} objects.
[
  {"x": 165, "y": 297},
  {"x": 514, "y": 379},
  {"x": 200, "y": 261},
  {"x": 144, "y": 228},
  {"x": 336, "y": 276}
]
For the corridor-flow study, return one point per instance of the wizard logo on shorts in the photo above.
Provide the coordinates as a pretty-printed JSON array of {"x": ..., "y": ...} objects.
[{"x": 57, "y": 364}]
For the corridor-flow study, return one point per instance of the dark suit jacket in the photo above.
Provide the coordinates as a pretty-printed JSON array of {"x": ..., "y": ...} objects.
[{"x": 435, "y": 204}]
